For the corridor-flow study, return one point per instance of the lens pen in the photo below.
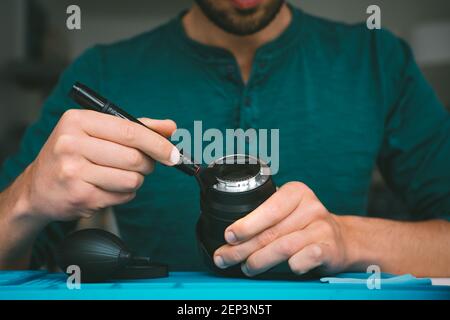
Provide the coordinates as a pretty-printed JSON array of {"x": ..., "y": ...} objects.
[{"x": 89, "y": 99}]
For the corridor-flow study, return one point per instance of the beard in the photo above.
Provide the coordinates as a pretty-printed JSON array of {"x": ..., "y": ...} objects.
[{"x": 240, "y": 22}]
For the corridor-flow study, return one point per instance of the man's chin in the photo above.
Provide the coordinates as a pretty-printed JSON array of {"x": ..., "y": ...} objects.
[
  {"x": 247, "y": 12},
  {"x": 241, "y": 20}
]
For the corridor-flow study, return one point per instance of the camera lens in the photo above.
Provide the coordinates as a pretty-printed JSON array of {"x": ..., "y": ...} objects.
[{"x": 241, "y": 183}]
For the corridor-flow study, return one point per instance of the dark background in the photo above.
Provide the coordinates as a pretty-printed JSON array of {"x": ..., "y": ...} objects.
[{"x": 36, "y": 46}]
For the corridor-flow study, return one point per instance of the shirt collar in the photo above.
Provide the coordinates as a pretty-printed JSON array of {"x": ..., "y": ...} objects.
[{"x": 211, "y": 54}]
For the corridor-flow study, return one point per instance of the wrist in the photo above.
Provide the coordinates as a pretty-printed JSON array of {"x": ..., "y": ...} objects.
[
  {"x": 19, "y": 225},
  {"x": 16, "y": 203},
  {"x": 355, "y": 235}
]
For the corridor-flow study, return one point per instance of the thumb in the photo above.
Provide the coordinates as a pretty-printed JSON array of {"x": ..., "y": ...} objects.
[{"x": 163, "y": 127}]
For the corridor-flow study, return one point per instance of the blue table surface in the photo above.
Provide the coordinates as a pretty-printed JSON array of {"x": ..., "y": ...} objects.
[{"x": 191, "y": 285}]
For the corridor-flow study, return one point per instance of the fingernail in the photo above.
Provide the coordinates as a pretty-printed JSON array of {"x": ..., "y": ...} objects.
[
  {"x": 244, "y": 269},
  {"x": 175, "y": 156},
  {"x": 218, "y": 260},
  {"x": 230, "y": 237}
]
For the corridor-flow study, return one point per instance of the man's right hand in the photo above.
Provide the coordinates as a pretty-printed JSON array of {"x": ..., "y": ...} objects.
[{"x": 93, "y": 161}]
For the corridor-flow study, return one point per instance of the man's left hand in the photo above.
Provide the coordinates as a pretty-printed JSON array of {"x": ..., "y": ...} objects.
[{"x": 291, "y": 225}]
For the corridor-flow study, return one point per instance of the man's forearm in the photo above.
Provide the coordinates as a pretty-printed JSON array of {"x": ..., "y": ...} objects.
[
  {"x": 419, "y": 248},
  {"x": 18, "y": 229}
]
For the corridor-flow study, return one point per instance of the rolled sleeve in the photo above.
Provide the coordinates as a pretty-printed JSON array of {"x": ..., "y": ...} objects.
[{"x": 415, "y": 154}]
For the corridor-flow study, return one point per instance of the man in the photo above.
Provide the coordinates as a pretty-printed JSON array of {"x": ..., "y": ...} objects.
[{"x": 345, "y": 98}]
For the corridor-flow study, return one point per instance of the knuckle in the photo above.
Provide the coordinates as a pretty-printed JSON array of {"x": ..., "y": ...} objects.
[
  {"x": 128, "y": 197},
  {"x": 284, "y": 248},
  {"x": 267, "y": 237},
  {"x": 319, "y": 208},
  {"x": 317, "y": 211},
  {"x": 324, "y": 226},
  {"x": 69, "y": 170},
  {"x": 298, "y": 187},
  {"x": 295, "y": 267},
  {"x": 134, "y": 181},
  {"x": 135, "y": 159},
  {"x": 234, "y": 255},
  {"x": 65, "y": 144},
  {"x": 128, "y": 132},
  {"x": 295, "y": 185},
  {"x": 253, "y": 264},
  {"x": 71, "y": 116},
  {"x": 316, "y": 253}
]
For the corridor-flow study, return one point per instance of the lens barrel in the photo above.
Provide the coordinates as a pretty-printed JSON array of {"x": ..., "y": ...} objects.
[{"x": 221, "y": 207}]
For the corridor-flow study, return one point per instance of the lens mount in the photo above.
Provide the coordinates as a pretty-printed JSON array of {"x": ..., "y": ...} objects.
[{"x": 239, "y": 173}]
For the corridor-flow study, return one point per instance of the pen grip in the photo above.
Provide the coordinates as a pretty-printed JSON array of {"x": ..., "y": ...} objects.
[
  {"x": 186, "y": 164},
  {"x": 89, "y": 99}
]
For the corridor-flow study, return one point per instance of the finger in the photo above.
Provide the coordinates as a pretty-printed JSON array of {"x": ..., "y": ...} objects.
[
  {"x": 104, "y": 199},
  {"x": 229, "y": 255},
  {"x": 272, "y": 211},
  {"x": 88, "y": 198},
  {"x": 307, "y": 259},
  {"x": 278, "y": 251},
  {"x": 112, "y": 179},
  {"x": 114, "y": 155},
  {"x": 304, "y": 215},
  {"x": 125, "y": 132},
  {"x": 164, "y": 127}
]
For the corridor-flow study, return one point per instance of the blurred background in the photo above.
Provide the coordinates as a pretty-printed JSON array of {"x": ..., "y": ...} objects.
[{"x": 36, "y": 47}]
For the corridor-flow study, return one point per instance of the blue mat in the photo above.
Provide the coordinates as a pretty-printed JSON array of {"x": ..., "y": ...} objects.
[{"x": 38, "y": 285}]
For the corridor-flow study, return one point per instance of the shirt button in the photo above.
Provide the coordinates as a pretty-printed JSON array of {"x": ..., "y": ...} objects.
[{"x": 247, "y": 102}]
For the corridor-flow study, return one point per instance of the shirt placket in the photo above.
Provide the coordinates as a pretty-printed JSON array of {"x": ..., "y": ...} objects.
[{"x": 247, "y": 102}]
